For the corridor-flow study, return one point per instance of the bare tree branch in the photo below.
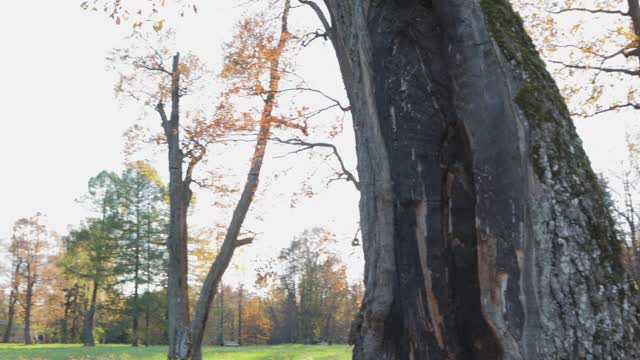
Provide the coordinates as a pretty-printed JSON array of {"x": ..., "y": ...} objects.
[
  {"x": 245, "y": 241},
  {"x": 163, "y": 114},
  {"x": 307, "y": 146},
  {"x": 325, "y": 23},
  {"x": 334, "y": 100},
  {"x": 598, "y": 68},
  {"x": 611, "y": 108},
  {"x": 592, "y": 11}
]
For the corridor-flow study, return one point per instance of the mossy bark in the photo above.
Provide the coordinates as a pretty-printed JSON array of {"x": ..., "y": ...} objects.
[{"x": 486, "y": 234}]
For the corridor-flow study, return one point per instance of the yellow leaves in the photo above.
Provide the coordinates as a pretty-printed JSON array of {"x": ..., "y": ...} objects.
[
  {"x": 575, "y": 28},
  {"x": 158, "y": 26},
  {"x": 257, "y": 324},
  {"x": 587, "y": 50},
  {"x": 185, "y": 70},
  {"x": 148, "y": 171},
  {"x": 595, "y": 95},
  {"x": 627, "y": 33}
]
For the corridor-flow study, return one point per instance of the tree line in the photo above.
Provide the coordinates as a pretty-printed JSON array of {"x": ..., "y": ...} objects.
[{"x": 105, "y": 281}]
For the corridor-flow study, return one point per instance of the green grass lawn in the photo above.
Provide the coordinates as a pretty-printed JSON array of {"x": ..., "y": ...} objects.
[{"x": 126, "y": 352}]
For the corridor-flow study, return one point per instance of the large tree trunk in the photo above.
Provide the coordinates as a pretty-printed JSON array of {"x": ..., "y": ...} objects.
[
  {"x": 485, "y": 230},
  {"x": 180, "y": 197},
  {"x": 191, "y": 341}
]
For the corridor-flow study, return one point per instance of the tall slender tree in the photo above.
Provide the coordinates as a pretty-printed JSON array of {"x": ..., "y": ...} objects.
[{"x": 143, "y": 220}]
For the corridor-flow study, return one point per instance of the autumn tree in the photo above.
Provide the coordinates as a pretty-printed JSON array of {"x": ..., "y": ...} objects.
[
  {"x": 593, "y": 50},
  {"x": 485, "y": 230},
  {"x": 257, "y": 327},
  {"x": 252, "y": 66},
  {"x": 310, "y": 293},
  {"x": 29, "y": 244}
]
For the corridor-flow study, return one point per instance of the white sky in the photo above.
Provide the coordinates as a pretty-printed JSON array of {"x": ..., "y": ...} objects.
[{"x": 62, "y": 125}]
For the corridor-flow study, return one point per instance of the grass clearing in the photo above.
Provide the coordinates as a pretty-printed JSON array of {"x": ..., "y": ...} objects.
[{"x": 127, "y": 352}]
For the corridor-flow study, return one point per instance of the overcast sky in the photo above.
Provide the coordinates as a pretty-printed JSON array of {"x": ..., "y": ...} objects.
[{"x": 61, "y": 125}]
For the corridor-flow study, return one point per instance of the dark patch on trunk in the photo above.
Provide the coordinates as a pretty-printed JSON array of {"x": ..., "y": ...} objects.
[{"x": 437, "y": 310}]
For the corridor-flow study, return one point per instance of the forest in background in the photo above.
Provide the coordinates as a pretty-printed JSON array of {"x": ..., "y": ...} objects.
[{"x": 108, "y": 277}]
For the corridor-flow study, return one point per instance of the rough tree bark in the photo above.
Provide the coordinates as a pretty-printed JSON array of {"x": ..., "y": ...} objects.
[
  {"x": 485, "y": 231},
  {"x": 180, "y": 196}
]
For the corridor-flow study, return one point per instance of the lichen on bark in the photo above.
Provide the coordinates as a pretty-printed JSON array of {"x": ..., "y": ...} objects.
[{"x": 583, "y": 283}]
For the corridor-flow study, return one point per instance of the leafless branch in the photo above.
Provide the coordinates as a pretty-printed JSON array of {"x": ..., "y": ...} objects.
[
  {"x": 334, "y": 100},
  {"x": 592, "y": 11},
  {"x": 325, "y": 23},
  {"x": 163, "y": 114},
  {"x": 245, "y": 241},
  {"x": 604, "y": 57},
  {"x": 611, "y": 108},
  {"x": 348, "y": 175},
  {"x": 598, "y": 68},
  {"x": 310, "y": 37},
  {"x": 152, "y": 68}
]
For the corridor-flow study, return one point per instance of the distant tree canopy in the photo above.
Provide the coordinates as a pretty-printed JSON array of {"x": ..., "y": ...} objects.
[{"x": 121, "y": 245}]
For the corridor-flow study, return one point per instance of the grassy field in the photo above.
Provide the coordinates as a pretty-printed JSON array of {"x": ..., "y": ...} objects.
[{"x": 125, "y": 352}]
